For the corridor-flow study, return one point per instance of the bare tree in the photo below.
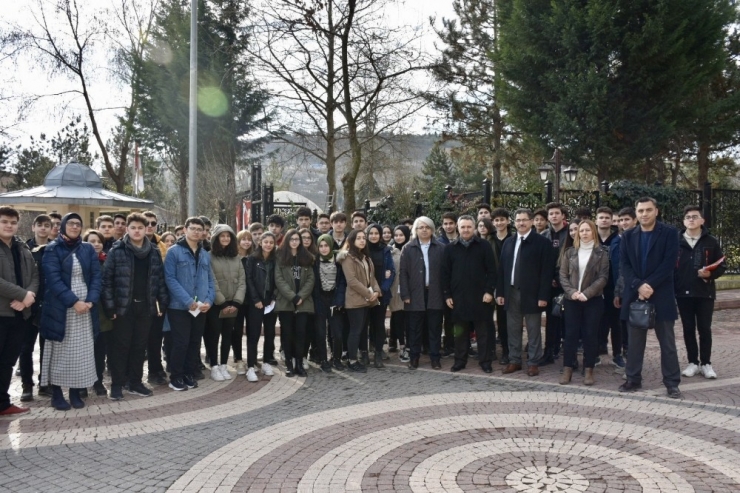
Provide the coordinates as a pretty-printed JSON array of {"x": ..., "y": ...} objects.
[{"x": 329, "y": 63}]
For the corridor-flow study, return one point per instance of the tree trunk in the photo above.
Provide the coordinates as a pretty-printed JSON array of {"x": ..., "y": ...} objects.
[
  {"x": 498, "y": 131},
  {"x": 702, "y": 159},
  {"x": 331, "y": 159},
  {"x": 350, "y": 177}
]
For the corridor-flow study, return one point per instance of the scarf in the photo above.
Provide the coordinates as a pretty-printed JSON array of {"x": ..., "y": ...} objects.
[
  {"x": 139, "y": 252},
  {"x": 71, "y": 243},
  {"x": 329, "y": 241},
  {"x": 406, "y": 234}
]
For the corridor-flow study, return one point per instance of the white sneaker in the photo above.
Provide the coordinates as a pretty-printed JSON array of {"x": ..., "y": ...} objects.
[
  {"x": 241, "y": 368},
  {"x": 225, "y": 372},
  {"x": 216, "y": 373},
  {"x": 708, "y": 371},
  {"x": 306, "y": 365},
  {"x": 252, "y": 375},
  {"x": 267, "y": 370},
  {"x": 690, "y": 370}
]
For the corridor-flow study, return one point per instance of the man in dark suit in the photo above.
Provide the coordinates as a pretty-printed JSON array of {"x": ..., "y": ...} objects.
[
  {"x": 647, "y": 257},
  {"x": 524, "y": 285}
]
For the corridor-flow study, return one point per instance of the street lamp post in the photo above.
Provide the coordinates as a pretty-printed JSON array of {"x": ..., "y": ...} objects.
[{"x": 554, "y": 164}]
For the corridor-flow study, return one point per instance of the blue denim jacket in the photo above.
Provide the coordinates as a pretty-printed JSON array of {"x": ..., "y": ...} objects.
[{"x": 184, "y": 281}]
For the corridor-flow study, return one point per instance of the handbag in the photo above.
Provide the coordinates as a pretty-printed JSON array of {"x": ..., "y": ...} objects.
[
  {"x": 642, "y": 315},
  {"x": 557, "y": 305}
]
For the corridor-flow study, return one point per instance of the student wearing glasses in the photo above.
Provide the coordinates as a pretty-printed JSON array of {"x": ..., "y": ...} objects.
[{"x": 69, "y": 318}]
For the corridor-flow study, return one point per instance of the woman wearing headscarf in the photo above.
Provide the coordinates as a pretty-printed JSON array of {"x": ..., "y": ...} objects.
[
  {"x": 327, "y": 274},
  {"x": 385, "y": 273},
  {"x": 397, "y": 339},
  {"x": 69, "y": 318}
]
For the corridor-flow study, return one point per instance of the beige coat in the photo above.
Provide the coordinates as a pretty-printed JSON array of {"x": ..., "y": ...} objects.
[
  {"x": 359, "y": 287},
  {"x": 595, "y": 277},
  {"x": 396, "y": 303}
]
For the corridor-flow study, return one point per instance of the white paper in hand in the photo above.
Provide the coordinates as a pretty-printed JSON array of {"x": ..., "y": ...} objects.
[
  {"x": 269, "y": 308},
  {"x": 196, "y": 312}
]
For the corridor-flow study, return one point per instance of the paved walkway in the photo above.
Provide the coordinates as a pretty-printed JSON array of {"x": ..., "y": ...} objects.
[{"x": 394, "y": 430}]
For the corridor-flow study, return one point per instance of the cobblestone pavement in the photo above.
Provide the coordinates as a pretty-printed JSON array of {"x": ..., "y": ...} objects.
[{"x": 394, "y": 430}]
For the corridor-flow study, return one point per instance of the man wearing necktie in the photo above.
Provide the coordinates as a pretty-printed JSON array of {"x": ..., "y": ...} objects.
[{"x": 524, "y": 283}]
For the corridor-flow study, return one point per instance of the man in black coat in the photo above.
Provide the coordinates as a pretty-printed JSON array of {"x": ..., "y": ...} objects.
[
  {"x": 524, "y": 287},
  {"x": 133, "y": 292},
  {"x": 696, "y": 290},
  {"x": 468, "y": 284},
  {"x": 647, "y": 260}
]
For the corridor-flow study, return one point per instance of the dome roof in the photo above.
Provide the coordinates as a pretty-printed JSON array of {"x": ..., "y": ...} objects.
[{"x": 73, "y": 175}]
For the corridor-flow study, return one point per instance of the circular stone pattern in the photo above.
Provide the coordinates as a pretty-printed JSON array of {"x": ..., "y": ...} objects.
[
  {"x": 534, "y": 479},
  {"x": 484, "y": 441}
]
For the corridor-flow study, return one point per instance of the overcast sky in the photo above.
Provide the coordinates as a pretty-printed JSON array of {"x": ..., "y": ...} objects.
[{"x": 49, "y": 115}]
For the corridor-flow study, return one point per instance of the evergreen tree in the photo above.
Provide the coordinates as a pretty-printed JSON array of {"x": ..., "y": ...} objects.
[
  {"x": 438, "y": 168},
  {"x": 608, "y": 81}
]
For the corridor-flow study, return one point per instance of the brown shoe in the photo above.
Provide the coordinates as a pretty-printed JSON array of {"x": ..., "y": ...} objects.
[
  {"x": 589, "y": 378},
  {"x": 511, "y": 368},
  {"x": 533, "y": 370},
  {"x": 567, "y": 375}
]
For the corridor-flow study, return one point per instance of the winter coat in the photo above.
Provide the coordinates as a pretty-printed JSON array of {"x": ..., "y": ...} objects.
[
  {"x": 228, "y": 273},
  {"x": 413, "y": 276},
  {"x": 9, "y": 290},
  {"x": 661, "y": 262},
  {"x": 706, "y": 251},
  {"x": 536, "y": 260},
  {"x": 286, "y": 293},
  {"x": 118, "y": 281},
  {"x": 595, "y": 277},
  {"x": 469, "y": 272},
  {"x": 359, "y": 287},
  {"x": 57, "y": 266},
  {"x": 386, "y": 282},
  {"x": 256, "y": 274},
  {"x": 38, "y": 255},
  {"x": 187, "y": 278},
  {"x": 396, "y": 303}
]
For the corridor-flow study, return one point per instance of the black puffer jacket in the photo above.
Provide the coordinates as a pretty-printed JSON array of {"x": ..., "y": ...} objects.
[
  {"x": 118, "y": 281},
  {"x": 256, "y": 270}
]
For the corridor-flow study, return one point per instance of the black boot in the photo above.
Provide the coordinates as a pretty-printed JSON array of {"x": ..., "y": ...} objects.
[
  {"x": 379, "y": 360},
  {"x": 299, "y": 370},
  {"x": 289, "y": 367},
  {"x": 58, "y": 401},
  {"x": 75, "y": 399},
  {"x": 364, "y": 358}
]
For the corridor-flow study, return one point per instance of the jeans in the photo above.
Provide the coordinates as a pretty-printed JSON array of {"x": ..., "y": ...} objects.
[
  {"x": 128, "y": 342},
  {"x": 610, "y": 322},
  {"x": 357, "y": 322},
  {"x": 154, "y": 349},
  {"x": 462, "y": 340},
  {"x": 26, "y": 357},
  {"x": 503, "y": 330},
  {"x": 238, "y": 333},
  {"x": 218, "y": 327},
  {"x": 416, "y": 320},
  {"x": 668, "y": 355},
  {"x": 514, "y": 319},
  {"x": 257, "y": 319},
  {"x": 582, "y": 319},
  {"x": 12, "y": 333},
  {"x": 293, "y": 334},
  {"x": 399, "y": 328},
  {"x": 696, "y": 313},
  {"x": 101, "y": 349},
  {"x": 376, "y": 317},
  {"x": 187, "y": 332}
]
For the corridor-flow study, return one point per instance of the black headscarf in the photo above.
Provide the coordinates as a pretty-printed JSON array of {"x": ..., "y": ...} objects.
[
  {"x": 406, "y": 234},
  {"x": 63, "y": 230},
  {"x": 377, "y": 251}
]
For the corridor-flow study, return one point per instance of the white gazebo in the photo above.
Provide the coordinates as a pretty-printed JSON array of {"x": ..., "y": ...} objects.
[{"x": 74, "y": 187}]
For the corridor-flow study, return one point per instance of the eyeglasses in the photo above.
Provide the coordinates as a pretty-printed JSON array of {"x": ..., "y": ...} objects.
[
  {"x": 195, "y": 229},
  {"x": 419, "y": 228},
  {"x": 295, "y": 238},
  {"x": 692, "y": 218},
  {"x": 152, "y": 223},
  {"x": 74, "y": 224}
]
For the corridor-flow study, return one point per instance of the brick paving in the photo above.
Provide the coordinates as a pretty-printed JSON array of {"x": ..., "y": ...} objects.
[{"x": 396, "y": 430}]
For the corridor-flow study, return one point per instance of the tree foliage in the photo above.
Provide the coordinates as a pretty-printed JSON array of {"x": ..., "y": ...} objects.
[{"x": 608, "y": 81}]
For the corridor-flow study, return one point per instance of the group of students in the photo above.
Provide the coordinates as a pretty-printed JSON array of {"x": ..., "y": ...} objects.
[{"x": 119, "y": 295}]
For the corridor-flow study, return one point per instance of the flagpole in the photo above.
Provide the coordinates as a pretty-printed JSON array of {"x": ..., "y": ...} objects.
[{"x": 193, "y": 130}]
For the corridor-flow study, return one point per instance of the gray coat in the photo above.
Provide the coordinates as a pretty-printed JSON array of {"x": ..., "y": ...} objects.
[
  {"x": 413, "y": 274},
  {"x": 9, "y": 290}
]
